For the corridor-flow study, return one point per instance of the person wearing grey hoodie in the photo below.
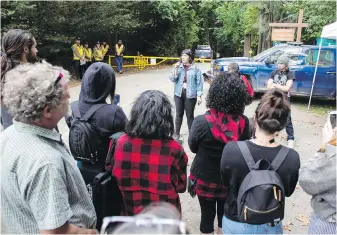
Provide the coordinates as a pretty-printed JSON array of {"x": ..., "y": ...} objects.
[{"x": 318, "y": 178}]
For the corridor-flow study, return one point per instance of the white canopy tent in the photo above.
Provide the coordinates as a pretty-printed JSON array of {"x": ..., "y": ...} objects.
[{"x": 330, "y": 32}]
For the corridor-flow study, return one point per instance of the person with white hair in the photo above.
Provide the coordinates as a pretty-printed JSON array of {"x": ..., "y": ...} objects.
[{"x": 42, "y": 190}]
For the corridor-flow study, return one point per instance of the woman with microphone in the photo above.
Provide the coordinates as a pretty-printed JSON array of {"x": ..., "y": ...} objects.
[{"x": 188, "y": 89}]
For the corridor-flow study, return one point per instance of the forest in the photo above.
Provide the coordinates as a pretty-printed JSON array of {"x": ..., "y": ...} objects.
[{"x": 161, "y": 28}]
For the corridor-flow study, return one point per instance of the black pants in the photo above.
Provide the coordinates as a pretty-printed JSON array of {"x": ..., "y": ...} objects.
[
  {"x": 78, "y": 68},
  {"x": 87, "y": 65},
  {"x": 184, "y": 104},
  {"x": 210, "y": 207},
  {"x": 290, "y": 128}
]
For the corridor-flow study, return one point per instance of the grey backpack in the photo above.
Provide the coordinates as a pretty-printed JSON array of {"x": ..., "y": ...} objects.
[{"x": 261, "y": 195}]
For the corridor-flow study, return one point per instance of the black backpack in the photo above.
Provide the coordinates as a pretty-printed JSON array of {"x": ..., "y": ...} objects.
[
  {"x": 106, "y": 196},
  {"x": 261, "y": 195},
  {"x": 84, "y": 142}
]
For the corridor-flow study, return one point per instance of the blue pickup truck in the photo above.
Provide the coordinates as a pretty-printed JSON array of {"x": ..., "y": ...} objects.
[{"x": 302, "y": 61}]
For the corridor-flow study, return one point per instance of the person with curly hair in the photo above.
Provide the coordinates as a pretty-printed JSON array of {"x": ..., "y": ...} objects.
[
  {"x": 223, "y": 122},
  {"x": 42, "y": 189},
  {"x": 149, "y": 165},
  {"x": 235, "y": 69}
]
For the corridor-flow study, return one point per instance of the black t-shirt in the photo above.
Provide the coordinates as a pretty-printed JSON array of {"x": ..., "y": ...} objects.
[
  {"x": 234, "y": 169},
  {"x": 281, "y": 77}
]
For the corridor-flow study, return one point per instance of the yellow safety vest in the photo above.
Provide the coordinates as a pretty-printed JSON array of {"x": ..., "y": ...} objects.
[
  {"x": 79, "y": 50},
  {"x": 119, "y": 49},
  {"x": 98, "y": 54},
  {"x": 88, "y": 53},
  {"x": 105, "y": 49}
]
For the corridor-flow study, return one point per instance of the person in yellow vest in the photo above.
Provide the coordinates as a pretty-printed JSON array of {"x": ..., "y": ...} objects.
[
  {"x": 78, "y": 58},
  {"x": 88, "y": 55},
  {"x": 98, "y": 53},
  {"x": 119, "y": 52},
  {"x": 105, "y": 48}
]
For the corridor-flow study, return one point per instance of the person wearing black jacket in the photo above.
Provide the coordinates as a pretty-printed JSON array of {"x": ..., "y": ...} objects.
[
  {"x": 270, "y": 118},
  {"x": 98, "y": 84},
  {"x": 223, "y": 122}
]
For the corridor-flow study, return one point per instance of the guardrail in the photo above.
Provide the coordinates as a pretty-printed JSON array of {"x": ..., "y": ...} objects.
[{"x": 142, "y": 61}]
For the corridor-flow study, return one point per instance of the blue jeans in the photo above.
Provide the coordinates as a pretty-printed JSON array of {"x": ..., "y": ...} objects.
[
  {"x": 290, "y": 128},
  {"x": 117, "y": 99},
  {"x": 119, "y": 62},
  {"x": 233, "y": 227}
]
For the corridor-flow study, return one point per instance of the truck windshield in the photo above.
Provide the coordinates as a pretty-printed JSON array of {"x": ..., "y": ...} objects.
[{"x": 264, "y": 53}]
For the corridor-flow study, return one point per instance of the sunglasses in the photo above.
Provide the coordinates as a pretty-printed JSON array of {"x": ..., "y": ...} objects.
[{"x": 113, "y": 221}]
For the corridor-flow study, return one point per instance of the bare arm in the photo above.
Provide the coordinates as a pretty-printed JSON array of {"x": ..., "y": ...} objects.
[
  {"x": 285, "y": 88},
  {"x": 270, "y": 84},
  {"x": 68, "y": 228}
]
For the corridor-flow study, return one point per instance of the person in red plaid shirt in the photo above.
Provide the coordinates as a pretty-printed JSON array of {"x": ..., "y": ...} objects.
[
  {"x": 149, "y": 165},
  {"x": 223, "y": 122}
]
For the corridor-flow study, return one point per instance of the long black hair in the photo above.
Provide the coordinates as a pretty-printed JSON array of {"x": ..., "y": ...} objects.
[
  {"x": 151, "y": 116},
  {"x": 13, "y": 44}
]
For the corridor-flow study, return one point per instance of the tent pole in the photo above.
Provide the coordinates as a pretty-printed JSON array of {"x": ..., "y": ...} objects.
[{"x": 314, "y": 79}]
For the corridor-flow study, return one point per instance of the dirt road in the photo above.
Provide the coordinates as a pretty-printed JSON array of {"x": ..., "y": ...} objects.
[{"x": 307, "y": 131}]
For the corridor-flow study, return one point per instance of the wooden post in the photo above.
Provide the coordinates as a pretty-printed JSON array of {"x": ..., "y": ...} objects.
[
  {"x": 299, "y": 28},
  {"x": 299, "y": 25}
]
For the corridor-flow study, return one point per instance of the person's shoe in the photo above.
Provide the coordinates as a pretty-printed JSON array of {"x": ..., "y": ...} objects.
[
  {"x": 291, "y": 144},
  {"x": 120, "y": 72}
]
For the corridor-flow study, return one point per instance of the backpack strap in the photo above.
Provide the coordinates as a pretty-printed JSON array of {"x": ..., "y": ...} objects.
[
  {"x": 246, "y": 154},
  {"x": 91, "y": 111},
  {"x": 109, "y": 163},
  {"x": 280, "y": 157}
]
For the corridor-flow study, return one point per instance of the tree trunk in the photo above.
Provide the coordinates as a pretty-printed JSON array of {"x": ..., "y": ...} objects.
[{"x": 246, "y": 46}]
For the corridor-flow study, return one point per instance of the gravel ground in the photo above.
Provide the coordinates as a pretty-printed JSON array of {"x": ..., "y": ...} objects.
[{"x": 307, "y": 131}]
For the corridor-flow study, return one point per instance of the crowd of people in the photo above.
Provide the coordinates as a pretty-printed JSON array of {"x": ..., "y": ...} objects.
[
  {"x": 240, "y": 172},
  {"x": 84, "y": 56}
]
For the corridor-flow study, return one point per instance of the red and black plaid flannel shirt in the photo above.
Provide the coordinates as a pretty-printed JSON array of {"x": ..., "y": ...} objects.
[
  {"x": 149, "y": 170},
  {"x": 209, "y": 189},
  {"x": 224, "y": 128}
]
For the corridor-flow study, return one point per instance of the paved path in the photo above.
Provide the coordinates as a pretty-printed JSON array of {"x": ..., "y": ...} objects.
[{"x": 307, "y": 131}]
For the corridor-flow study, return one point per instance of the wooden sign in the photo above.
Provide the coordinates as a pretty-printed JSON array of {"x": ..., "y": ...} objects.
[
  {"x": 283, "y": 34},
  {"x": 299, "y": 25}
]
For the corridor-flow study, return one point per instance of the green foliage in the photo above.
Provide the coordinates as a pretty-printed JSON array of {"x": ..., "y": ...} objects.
[
  {"x": 159, "y": 27},
  {"x": 316, "y": 13}
]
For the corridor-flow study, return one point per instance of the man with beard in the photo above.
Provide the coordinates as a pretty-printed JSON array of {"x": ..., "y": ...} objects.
[
  {"x": 44, "y": 192},
  {"x": 18, "y": 47}
]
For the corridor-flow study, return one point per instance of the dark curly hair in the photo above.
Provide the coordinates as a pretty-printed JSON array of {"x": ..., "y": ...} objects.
[
  {"x": 227, "y": 94},
  {"x": 151, "y": 116},
  {"x": 272, "y": 112}
]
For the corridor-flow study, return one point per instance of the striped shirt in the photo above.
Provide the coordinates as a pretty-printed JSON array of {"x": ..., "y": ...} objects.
[{"x": 41, "y": 186}]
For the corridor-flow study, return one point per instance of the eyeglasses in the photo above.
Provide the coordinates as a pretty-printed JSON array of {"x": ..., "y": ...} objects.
[
  {"x": 58, "y": 79},
  {"x": 115, "y": 220}
]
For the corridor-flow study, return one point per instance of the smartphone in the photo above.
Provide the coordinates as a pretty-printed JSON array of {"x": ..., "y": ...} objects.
[{"x": 332, "y": 117}]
